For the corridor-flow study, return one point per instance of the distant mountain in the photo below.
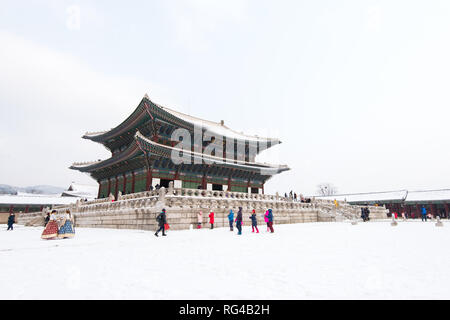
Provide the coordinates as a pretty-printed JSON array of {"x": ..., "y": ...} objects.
[{"x": 7, "y": 189}]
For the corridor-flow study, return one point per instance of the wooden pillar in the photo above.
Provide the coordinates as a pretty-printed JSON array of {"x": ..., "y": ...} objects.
[
  {"x": 177, "y": 173},
  {"x": 433, "y": 209},
  {"x": 116, "y": 193},
  {"x": 109, "y": 187},
  {"x": 407, "y": 210},
  {"x": 263, "y": 188},
  {"x": 11, "y": 207},
  {"x": 417, "y": 213},
  {"x": 133, "y": 181},
  {"x": 124, "y": 184},
  {"x": 148, "y": 181},
  {"x": 99, "y": 190},
  {"x": 27, "y": 208},
  {"x": 204, "y": 182},
  {"x": 229, "y": 179},
  {"x": 447, "y": 210}
]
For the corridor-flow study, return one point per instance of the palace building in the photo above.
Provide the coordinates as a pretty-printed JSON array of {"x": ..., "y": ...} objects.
[
  {"x": 436, "y": 202},
  {"x": 156, "y": 145}
]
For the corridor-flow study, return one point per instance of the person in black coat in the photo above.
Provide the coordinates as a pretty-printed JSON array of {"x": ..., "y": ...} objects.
[
  {"x": 239, "y": 221},
  {"x": 11, "y": 220},
  {"x": 367, "y": 214},
  {"x": 162, "y": 220},
  {"x": 363, "y": 214},
  {"x": 47, "y": 219}
]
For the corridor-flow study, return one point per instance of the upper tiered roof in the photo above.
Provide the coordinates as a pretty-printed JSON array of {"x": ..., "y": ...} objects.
[{"x": 148, "y": 110}]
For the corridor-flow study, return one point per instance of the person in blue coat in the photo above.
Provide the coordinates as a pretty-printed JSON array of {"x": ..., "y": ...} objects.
[
  {"x": 239, "y": 221},
  {"x": 254, "y": 221},
  {"x": 231, "y": 219},
  {"x": 424, "y": 213},
  {"x": 11, "y": 220},
  {"x": 270, "y": 218}
]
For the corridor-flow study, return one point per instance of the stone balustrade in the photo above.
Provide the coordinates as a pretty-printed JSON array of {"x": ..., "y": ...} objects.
[{"x": 139, "y": 210}]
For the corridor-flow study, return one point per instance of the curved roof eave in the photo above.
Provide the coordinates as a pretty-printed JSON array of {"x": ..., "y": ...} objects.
[{"x": 131, "y": 151}]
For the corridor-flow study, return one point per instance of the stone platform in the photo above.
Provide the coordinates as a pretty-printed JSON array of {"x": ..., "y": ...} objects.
[{"x": 139, "y": 210}]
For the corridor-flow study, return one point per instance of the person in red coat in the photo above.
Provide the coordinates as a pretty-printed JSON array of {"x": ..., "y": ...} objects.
[{"x": 211, "y": 219}]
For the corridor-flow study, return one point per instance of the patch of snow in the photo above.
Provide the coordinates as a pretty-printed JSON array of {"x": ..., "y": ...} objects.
[
  {"x": 36, "y": 199},
  {"x": 299, "y": 261},
  {"x": 429, "y": 195}
]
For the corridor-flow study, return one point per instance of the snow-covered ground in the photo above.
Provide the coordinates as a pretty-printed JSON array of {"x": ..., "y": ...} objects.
[{"x": 303, "y": 261}]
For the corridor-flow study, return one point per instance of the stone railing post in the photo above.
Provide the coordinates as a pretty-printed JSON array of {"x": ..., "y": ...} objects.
[{"x": 162, "y": 194}]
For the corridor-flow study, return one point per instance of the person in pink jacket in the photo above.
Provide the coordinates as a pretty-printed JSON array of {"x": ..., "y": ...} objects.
[
  {"x": 266, "y": 219},
  {"x": 211, "y": 219}
]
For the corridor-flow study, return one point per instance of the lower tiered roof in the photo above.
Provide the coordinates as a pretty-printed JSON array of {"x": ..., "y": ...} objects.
[{"x": 142, "y": 150}]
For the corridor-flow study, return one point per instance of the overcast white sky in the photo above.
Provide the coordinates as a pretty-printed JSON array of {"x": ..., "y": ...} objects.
[{"x": 358, "y": 91}]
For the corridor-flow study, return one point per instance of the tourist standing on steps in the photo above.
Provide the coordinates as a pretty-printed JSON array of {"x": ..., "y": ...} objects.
[
  {"x": 211, "y": 219},
  {"x": 254, "y": 221},
  {"x": 239, "y": 221},
  {"x": 162, "y": 220},
  {"x": 231, "y": 219},
  {"x": 199, "y": 220},
  {"x": 11, "y": 220},
  {"x": 270, "y": 218}
]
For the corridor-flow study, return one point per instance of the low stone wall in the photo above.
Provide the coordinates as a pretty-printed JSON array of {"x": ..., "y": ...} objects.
[
  {"x": 183, "y": 218},
  {"x": 139, "y": 211},
  {"x": 4, "y": 217}
]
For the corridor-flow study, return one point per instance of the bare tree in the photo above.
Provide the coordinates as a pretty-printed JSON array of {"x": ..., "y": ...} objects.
[{"x": 326, "y": 189}]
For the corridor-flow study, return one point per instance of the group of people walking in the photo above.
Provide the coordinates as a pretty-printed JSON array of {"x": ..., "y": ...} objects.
[
  {"x": 268, "y": 218},
  {"x": 365, "y": 212},
  {"x": 58, "y": 226},
  {"x": 161, "y": 219}
]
